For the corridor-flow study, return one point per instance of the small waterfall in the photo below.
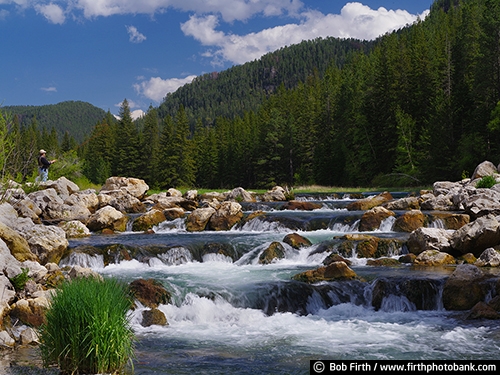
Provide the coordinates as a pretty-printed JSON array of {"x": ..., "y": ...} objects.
[
  {"x": 387, "y": 224},
  {"x": 175, "y": 256},
  {"x": 83, "y": 260},
  {"x": 259, "y": 225},
  {"x": 177, "y": 225},
  {"x": 213, "y": 257},
  {"x": 345, "y": 228},
  {"x": 437, "y": 223}
]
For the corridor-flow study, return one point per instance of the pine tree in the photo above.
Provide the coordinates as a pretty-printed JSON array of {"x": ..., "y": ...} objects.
[{"x": 127, "y": 162}]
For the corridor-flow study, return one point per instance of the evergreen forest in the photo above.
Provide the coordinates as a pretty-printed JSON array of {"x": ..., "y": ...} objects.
[{"x": 414, "y": 106}]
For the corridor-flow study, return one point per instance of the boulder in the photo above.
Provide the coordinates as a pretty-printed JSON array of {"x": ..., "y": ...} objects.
[
  {"x": 464, "y": 288},
  {"x": 29, "y": 337},
  {"x": 407, "y": 203},
  {"x": 301, "y": 205},
  {"x": 482, "y": 203},
  {"x": 226, "y": 216},
  {"x": 86, "y": 198},
  {"x": 151, "y": 293},
  {"x": 372, "y": 218},
  {"x": 296, "y": 241},
  {"x": 6, "y": 341},
  {"x": 489, "y": 258},
  {"x": 42, "y": 198},
  {"x": 132, "y": 186},
  {"x": 446, "y": 188},
  {"x": 75, "y": 229},
  {"x": 240, "y": 195},
  {"x": 450, "y": 220},
  {"x": 16, "y": 245},
  {"x": 486, "y": 168},
  {"x": 173, "y": 213},
  {"x": 148, "y": 220},
  {"x": 199, "y": 218},
  {"x": 122, "y": 201},
  {"x": 47, "y": 242},
  {"x": 22, "y": 311},
  {"x": 439, "y": 203},
  {"x": 370, "y": 202},
  {"x": 410, "y": 221},
  {"x": 153, "y": 317},
  {"x": 433, "y": 258},
  {"x": 273, "y": 252},
  {"x": 63, "y": 187},
  {"x": 277, "y": 193},
  {"x": 423, "y": 239},
  {"x": 58, "y": 212},
  {"x": 368, "y": 247},
  {"x": 482, "y": 310},
  {"x": 476, "y": 236},
  {"x": 107, "y": 218},
  {"x": 334, "y": 271}
]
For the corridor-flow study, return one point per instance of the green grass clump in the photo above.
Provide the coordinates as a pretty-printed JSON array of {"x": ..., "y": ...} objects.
[
  {"x": 19, "y": 281},
  {"x": 486, "y": 182},
  {"x": 86, "y": 329}
]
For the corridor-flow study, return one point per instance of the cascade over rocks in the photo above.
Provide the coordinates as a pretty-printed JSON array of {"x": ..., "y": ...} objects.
[{"x": 35, "y": 227}]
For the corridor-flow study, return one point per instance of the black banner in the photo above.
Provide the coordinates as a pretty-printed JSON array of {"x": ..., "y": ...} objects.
[{"x": 417, "y": 366}]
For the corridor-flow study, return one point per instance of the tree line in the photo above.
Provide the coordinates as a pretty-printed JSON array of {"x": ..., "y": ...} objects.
[{"x": 420, "y": 105}]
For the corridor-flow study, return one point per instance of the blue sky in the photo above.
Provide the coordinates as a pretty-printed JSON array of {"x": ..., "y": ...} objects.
[{"x": 103, "y": 51}]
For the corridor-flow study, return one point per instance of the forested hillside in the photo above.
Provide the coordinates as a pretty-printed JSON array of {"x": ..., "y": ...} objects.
[
  {"x": 243, "y": 88},
  {"x": 75, "y": 117},
  {"x": 418, "y": 105}
]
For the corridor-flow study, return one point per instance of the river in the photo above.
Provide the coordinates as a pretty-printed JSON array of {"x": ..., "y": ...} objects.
[{"x": 238, "y": 316}]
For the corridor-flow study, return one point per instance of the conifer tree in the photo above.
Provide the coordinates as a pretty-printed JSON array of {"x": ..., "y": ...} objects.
[
  {"x": 149, "y": 149},
  {"x": 127, "y": 144}
]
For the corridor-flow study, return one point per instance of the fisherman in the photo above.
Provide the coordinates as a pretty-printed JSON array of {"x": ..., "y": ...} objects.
[{"x": 43, "y": 166}]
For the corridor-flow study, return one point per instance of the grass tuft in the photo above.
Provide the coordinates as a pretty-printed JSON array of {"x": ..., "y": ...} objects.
[{"x": 86, "y": 330}]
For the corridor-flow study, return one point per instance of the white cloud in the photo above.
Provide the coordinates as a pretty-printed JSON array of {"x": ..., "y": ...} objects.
[
  {"x": 156, "y": 88},
  {"x": 134, "y": 35},
  {"x": 49, "y": 89},
  {"x": 230, "y": 10},
  {"x": 355, "y": 21},
  {"x": 52, "y": 12}
]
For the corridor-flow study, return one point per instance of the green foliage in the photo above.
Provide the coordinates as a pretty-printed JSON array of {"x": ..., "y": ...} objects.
[
  {"x": 486, "y": 182},
  {"x": 74, "y": 117},
  {"x": 19, "y": 281},
  {"x": 86, "y": 328}
]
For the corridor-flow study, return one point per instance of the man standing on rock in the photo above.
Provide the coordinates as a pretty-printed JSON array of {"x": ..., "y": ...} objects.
[{"x": 43, "y": 166}]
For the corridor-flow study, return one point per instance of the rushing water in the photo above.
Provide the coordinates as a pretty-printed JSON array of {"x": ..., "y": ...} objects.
[{"x": 243, "y": 317}]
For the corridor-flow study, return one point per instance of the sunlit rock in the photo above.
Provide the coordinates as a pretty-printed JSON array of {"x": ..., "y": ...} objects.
[
  {"x": 489, "y": 258},
  {"x": 273, "y": 252},
  {"x": 334, "y": 271},
  {"x": 198, "y": 219},
  {"x": 410, "y": 221},
  {"x": 107, "y": 218},
  {"x": 477, "y": 236},
  {"x": 370, "y": 202},
  {"x": 433, "y": 258},
  {"x": 296, "y": 241},
  {"x": 372, "y": 218},
  {"x": 148, "y": 220},
  {"x": 423, "y": 239}
]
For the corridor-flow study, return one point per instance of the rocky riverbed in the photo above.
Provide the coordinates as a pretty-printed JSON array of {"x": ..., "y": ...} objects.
[{"x": 35, "y": 229}]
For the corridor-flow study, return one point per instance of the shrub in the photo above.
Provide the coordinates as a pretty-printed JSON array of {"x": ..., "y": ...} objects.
[
  {"x": 486, "y": 182},
  {"x": 19, "y": 281},
  {"x": 86, "y": 329}
]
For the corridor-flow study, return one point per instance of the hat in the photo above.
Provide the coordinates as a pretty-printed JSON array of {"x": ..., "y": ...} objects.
[{"x": 42, "y": 151}]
